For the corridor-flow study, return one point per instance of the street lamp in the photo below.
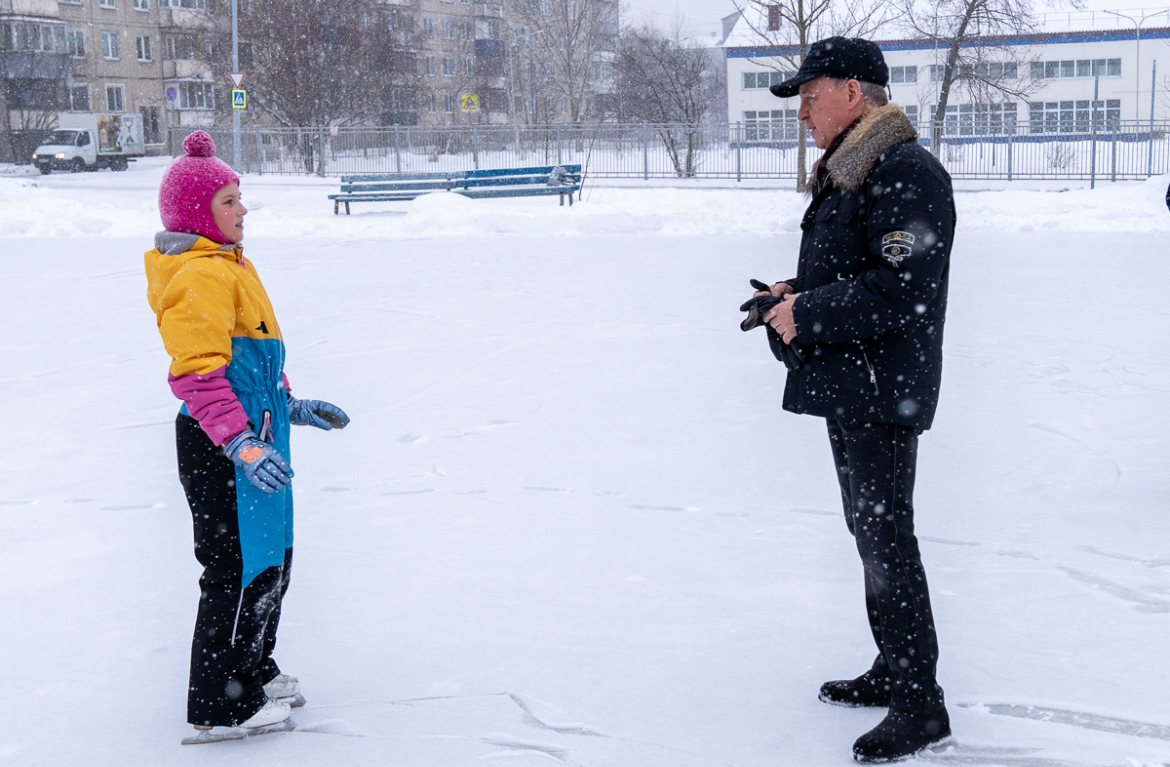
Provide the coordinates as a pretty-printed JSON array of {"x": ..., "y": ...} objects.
[{"x": 1138, "y": 55}]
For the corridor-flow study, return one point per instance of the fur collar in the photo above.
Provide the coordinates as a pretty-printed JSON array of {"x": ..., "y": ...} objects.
[{"x": 878, "y": 130}]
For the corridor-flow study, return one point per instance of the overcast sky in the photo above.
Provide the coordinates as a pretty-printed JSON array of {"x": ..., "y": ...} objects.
[{"x": 702, "y": 17}]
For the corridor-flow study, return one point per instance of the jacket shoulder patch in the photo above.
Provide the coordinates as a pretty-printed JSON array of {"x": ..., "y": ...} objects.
[{"x": 897, "y": 246}]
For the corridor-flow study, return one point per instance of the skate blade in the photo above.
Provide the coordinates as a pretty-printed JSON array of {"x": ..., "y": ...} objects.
[
  {"x": 294, "y": 701},
  {"x": 220, "y": 734}
]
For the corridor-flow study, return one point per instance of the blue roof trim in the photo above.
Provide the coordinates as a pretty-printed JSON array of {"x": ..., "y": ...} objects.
[{"x": 1048, "y": 38}]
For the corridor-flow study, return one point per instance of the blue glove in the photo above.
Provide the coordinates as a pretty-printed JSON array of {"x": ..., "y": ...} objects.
[
  {"x": 262, "y": 464},
  {"x": 314, "y": 412}
]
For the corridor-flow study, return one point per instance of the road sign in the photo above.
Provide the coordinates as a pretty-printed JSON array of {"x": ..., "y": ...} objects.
[
  {"x": 469, "y": 102},
  {"x": 239, "y": 98},
  {"x": 237, "y": 78},
  {"x": 172, "y": 94}
]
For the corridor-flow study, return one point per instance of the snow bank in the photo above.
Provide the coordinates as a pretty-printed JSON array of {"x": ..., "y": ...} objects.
[{"x": 125, "y": 205}]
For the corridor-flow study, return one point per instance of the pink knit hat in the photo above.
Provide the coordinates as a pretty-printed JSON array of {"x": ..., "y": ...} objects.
[{"x": 184, "y": 199}]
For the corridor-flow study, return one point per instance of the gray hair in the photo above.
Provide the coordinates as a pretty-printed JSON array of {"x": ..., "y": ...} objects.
[{"x": 872, "y": 93}]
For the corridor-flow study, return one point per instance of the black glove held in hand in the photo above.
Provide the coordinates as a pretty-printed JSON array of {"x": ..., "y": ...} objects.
[{"x": 790, "y": 354}]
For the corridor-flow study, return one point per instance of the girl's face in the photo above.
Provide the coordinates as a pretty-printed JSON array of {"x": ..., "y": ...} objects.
[{"x": 229, "y": 212}]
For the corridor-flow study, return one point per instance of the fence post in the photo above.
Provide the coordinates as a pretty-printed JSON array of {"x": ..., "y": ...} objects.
[
  {"x": 397, "y": 152},
  {"x": 558, "y": 143},
  {"x": 320, "y": 151},
  {"x": 738, "y": 151},
  {"x": 1137, "y": 128},
  {"x": 1113, "y": 157},
  {"x": 1093, "y": 136},
  {"x": 259, "y": 154},
  {"x": 475, "y": 146},
  {"x": 1010, "y": 135},
  {"x": 645, "y": 154}
]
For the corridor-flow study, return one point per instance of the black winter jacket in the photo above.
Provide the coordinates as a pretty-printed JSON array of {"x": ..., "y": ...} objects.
[{"x": 874, "y": 262}]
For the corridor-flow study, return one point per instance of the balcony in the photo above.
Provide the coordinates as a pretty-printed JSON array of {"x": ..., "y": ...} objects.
[{"x": 34, "y": 65}]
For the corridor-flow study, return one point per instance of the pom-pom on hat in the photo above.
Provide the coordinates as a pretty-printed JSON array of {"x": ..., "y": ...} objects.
[{"x": 184, "y": 199}]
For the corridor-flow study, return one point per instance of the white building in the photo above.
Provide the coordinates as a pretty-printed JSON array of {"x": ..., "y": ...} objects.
[{"x": 1057, "y": 66}]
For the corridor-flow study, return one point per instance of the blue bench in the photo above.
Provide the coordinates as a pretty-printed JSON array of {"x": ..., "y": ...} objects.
[{"x": 562, "y": 180}]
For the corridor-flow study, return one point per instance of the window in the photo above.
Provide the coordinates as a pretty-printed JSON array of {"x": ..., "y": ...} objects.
[
  {"x": 70, "y": 2},
  {"x": 448, "y": 67},
  {"x": 447, "y": 29},
  {"x": 195, "y": 5},
  {"x": 179, "y": 49},
  {"x": 108, "y": 3},
  {"x": 449, "y": 103},
  {"x": 1074, "y": 116},
  {"x": 143, "y": 45},
  {"x": 468, "y": 30},
  {"x": 428, "y": 27},
  {"x": 763, "y": 79},
  {"x": 936, "y": 73},
  {"x": 773, "y": 18},
  {"x": 774, "y": 125},
  {"x": 110, "y": 45},
  {"x": 79, "y": 98},
  {"x": 1075, "y": 68},
  {"x": 977, "y": 119},
  {"x": 468, "y": 67},
  {"x": 430, "y": 65},
  {"x": 196, "y": 95},
  {"x": 903, "y": 74},
  {"x": 912, "y": 113},
  {"x": 29, "y": 36},
  {"x": 151, "y": 125},
  {"x": 432, "y": 108},
  {"x": 75, "y": 42},
  {"x": 114, "y": 102},
  {"x": 142, "y": 5}
]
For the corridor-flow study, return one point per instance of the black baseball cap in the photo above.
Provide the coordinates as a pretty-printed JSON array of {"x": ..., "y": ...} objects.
[{"x": 846, "y": 58}]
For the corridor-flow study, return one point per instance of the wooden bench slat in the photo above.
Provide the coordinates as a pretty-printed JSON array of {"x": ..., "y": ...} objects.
[{"x": 504, "y": 182}]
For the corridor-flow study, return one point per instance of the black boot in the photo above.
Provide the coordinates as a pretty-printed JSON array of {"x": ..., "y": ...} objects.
[
  {"x": 871, "y": 689},
  {"x": 901, "y": 735}
]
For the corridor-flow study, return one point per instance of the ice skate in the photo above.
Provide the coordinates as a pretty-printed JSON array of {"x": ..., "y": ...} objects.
[
  {"x": 272, "y": 717},
  {"x": 286, "y": 688}
]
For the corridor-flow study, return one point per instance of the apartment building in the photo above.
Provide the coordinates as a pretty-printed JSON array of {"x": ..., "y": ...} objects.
[{"x": 1055, "y": 71}]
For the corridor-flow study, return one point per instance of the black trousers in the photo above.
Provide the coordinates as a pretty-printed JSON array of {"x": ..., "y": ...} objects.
[
  {"x": 235, "y": 628},
  {"x": 875, "y": 467}
]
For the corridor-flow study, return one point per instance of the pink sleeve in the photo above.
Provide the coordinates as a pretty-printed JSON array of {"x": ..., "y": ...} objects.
[
  {"x": 287, "y": 388},
  {"x": 211, "y": 401}
]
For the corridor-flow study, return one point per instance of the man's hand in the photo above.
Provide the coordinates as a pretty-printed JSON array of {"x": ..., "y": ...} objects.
[
  {"x": 780, "y": 316},
  {"x": 779, "y": 290}
]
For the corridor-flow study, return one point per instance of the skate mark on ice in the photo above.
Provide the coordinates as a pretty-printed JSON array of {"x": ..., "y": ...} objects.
[
  {"x": 651, "y": 507},
  {"x": 1124, "y": 557},
  {"x": 1078, "y": 719},
  {"x": 123, "y": 508},
  {"x": 817, "y": 512},
  {"x": 77, "y": 500},
  {"x": 546, "y": 489},
  {"x": 609, "y": 493},
  {"x": 514, "y": 746},
  {"x": 985, "y": 756},
  {"x": 408, "y": 492},
  {"x": 1144, "y": 603},
  {"x": 331, "y": 727},
  {"x": 1069, "y": 437},
  {"x": 332, "y": 489},
  {"x": 17, "y": 503},
  {"x": 1018, "y": 554},
  {"x": 947, "y": 541},
  {"x": 143, "y": 425},
  {"x": 570, "y": 728},
  {"x": 409, "y": 438}
]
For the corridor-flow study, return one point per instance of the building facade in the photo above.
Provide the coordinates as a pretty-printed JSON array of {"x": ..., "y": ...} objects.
[{"x": 1053, "y": 74}]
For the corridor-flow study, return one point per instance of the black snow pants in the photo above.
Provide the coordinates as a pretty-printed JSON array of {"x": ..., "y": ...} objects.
[
  {"x": 235, "y": 629},
  {"x": 875, "y": 467}
]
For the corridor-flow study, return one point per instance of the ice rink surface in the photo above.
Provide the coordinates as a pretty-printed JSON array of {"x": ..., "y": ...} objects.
[{"x": 570, "y": 522}]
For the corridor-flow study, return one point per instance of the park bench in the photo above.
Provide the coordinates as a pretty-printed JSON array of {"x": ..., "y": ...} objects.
[{"x": 562, "y": 180}]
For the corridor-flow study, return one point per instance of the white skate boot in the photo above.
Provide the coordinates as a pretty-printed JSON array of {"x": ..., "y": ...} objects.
[
  {"x": 286, "y": 688},
  {"x": 272, "y": 717}
]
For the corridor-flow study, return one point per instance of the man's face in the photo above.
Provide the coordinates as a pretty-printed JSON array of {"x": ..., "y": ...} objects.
[{"x": 827, "y": 109}]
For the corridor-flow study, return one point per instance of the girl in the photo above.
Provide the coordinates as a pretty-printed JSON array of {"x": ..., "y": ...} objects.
[{"x": 227, "y": 365}]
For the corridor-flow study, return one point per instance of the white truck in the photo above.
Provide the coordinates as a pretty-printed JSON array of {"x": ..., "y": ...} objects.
[{"x": 92, "y": 141}]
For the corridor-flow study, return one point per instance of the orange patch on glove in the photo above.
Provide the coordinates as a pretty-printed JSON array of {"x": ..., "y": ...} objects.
[{"x": 251, "y": 454}]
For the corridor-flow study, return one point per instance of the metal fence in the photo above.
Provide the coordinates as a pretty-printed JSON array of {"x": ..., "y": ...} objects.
[{"x": 1073, "y": 149}]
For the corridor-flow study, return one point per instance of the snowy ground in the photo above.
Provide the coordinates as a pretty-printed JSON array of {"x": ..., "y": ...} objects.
[{"x": 570, "y": 522}]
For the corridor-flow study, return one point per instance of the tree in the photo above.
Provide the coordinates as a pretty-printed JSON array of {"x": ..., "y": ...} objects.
[
  {"x": 562, "y": 56},
  {"x": 338, "y": 63},
  {"x": 972, "y": 36},
  {"x": 670, "y": 83},
  {"x": 789, "y": 27}
]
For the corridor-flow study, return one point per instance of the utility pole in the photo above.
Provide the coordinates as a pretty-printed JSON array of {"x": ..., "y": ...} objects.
[
  {"x": 236, "y": 68},
  {"x": 1137, "y": 65}
]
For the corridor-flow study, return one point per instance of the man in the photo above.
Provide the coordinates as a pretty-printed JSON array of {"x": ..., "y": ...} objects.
[{"x": 866, "y": 311}]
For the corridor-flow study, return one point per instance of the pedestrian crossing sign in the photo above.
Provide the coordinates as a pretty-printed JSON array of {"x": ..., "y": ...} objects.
[
  {"x": 239, "y": 98},
  {"x": 469, "y": 102}
]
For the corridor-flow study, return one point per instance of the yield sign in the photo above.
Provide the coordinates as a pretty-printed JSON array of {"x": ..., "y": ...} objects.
[{"x": 237, "y": 78}]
